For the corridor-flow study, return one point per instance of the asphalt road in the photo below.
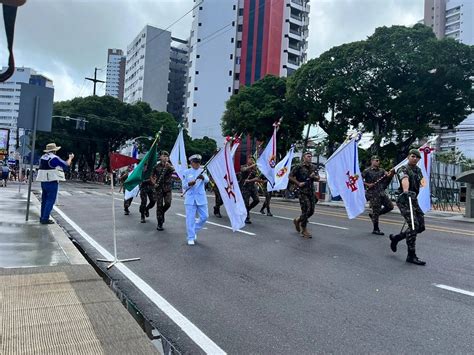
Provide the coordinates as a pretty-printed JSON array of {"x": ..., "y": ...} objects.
[{"x": 271, "y": 291}]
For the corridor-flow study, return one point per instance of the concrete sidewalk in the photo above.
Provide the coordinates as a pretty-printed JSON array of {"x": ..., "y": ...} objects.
[{"x": 51, "y": 300}]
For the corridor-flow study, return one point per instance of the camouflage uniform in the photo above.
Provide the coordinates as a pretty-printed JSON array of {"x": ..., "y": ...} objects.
[
  {"x": 268, "y": 197},
  {"x": 376, "y": 194},
  {"x": 146, "y": 193},
  {"x": 306, "y": 193},
  {"x": 163, "y": 186},
  {"x": 126, "y": 203},
  {"x": 415, "y": 176},
  {"x": 249, "y": 190},
  {"x": 218, "y": 199}
]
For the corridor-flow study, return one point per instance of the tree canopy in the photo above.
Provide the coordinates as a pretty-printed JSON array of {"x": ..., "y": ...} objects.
[
  {"x": 255, "y": 108},
  {"x": 110, "y": 123},
  {"x": 395, "y": 85}
]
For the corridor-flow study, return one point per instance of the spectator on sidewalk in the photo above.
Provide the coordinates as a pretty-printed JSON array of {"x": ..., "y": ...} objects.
[
  {"x": 50, "y": 173},
  {"x": 4, "y": 173}
]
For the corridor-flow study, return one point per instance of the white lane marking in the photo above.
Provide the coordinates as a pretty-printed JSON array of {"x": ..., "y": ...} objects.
[
  {"x": 201, "y": 339},
  {"x": 220, "y": 225},
  {"x": 317, "y": 224},
  {"x": 65, "y": 193},
  {"x": 454, "y": 289}
]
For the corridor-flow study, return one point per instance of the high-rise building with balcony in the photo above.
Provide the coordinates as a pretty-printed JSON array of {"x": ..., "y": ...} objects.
[
  {"x": 10, "y": 92},
  {"x": 235, "y": 43},
  {"x": 453, "y": 19},
  {"x": 115, "y": 73}
]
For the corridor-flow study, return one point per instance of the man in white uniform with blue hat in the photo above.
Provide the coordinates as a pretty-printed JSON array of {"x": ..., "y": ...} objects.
[{"x": 195, "y": 199}]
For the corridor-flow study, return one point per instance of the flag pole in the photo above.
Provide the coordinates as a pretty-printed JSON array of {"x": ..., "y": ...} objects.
[
  {"x": 115, "y": 260},
  {"x": 204, "y": 168}
]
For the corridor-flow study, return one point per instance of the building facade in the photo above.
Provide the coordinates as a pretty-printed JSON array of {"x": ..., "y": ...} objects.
[
  {"x": 453, "y": 19},
  {"x": 155, "y": 71},
  {"x": 235, "y": 43},
  {"x": 115, "y": 73},
  {"x": 10, "y": 92}
]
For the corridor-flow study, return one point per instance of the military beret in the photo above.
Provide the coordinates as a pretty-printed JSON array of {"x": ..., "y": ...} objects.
[
  {"x": 415, "y": 152},
  {"x": 164, "y": 152},
  {"x": 195, "y": 157},
  {"x": 375, "y": 157}
]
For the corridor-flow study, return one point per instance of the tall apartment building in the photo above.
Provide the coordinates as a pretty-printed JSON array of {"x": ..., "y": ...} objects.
[
  {"x": 234, "y": 43},
  {"x": 10, "y": 91},
  {"x": 155, "y": 71},
  {"x": 115, "y": 73},
  {"x": 453, "y": 19}
]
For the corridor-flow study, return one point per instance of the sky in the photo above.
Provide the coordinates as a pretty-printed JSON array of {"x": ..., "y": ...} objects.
[{"x": 66, "y": 39}]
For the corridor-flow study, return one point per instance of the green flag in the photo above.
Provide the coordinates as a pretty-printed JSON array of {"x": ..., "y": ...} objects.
[{"x": 143, "y": 170}]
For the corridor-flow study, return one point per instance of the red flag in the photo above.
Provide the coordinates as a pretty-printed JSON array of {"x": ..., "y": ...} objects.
[{"x": 119, "y": 160}]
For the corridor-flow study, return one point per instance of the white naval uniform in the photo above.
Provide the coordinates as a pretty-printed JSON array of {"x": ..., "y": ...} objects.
[{"x": 195, "y": 201}]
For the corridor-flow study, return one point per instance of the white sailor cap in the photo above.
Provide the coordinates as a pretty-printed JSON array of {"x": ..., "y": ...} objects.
[{"x": 195, "y": 157}]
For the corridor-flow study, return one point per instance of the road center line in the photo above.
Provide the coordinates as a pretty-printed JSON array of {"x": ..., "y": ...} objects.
[
  {"x": 220, "y": 225},
  {"x": 201, "y": 339},
  {"x": 315, "y": 223},
  {"x": 454, "y": 289}
]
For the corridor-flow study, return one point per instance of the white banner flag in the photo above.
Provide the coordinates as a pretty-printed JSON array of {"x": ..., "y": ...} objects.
[
  {"x": 424, "y": 196},
  {"x": 282, "y": 172},
  {"x": 223, "y": 173},
  {"x": 267, "y": 161},
  {"x": 178, "y": 155},
  {"x": 343, "y": 174}
]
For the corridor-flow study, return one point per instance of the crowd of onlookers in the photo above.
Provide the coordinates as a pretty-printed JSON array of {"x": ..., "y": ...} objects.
[{"x": 12, "y": 173}]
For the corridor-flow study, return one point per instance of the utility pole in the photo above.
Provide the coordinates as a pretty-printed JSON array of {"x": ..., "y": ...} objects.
[{"x": 95, "y": 80}]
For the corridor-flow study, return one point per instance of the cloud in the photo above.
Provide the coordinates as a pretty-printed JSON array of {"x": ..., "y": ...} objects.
[
  {"x": 334, "y": 22},
  {"x": 66, "y": 40}
]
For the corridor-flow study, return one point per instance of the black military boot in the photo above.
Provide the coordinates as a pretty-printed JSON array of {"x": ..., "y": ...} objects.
[
  {"x": 248, "y": 221},
  {"x": 393, "y": 242},
  {"x": 217, "y": 212},
  {"x": 412, "y": 258},
  {"x": 269, "y": 214},
  {"x": 159, "y": 227},
  {"x": 262, "y": 210},
  {"x": 142, "y": 220},
  {"x": 376, "y": 230},
  {"x": 126, "y": 211}
]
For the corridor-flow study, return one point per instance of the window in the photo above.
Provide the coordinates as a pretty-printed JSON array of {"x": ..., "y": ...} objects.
[
  {"x": 198, "y": 56},
  {"x": 230, "y": 72},
  {"x": 239, "y": 44},
  {"x": 195, "y": 104},
  {"x": 231, "y": 56},
  {"x": 229, "y": 89},
  {"x": 199, "y": 40},
  {"x": 195, "y": 88},
  {"x": 197, "y": 72},
  {"x": 241, "y": 12},
  {"x": 236, "y": 91},
  {"x": 194, "y": 120},
  {"x": 200, "y": 7},
  {"x": 237, "y": 76},
  {"x": 232, "y": 40},
  {"x": 199, "y": 24},
  {"x": 240, "y": 28},
  {"x": 233, "y": 7},
  {"x": 233, "y": 23}
]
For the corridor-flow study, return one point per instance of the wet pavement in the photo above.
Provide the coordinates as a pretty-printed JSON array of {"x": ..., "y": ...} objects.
[
  {"x": 22, "y": 243},
  {"x": 51, "y": 299}
]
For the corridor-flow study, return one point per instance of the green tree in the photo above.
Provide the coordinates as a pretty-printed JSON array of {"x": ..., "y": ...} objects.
[
  {"x": 395, "y": 84},
  {"x": 255, "y": 108}
]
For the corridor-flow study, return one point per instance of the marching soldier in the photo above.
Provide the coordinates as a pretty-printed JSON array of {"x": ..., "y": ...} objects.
[
  {"x": 411, "y": 179},
  {"x": 248, "y": 186},
  {"x": 304, "y": 175},
  {"x": 218, "y": 199},
  {"x": 376, "y": 181},
  {"x": 147, "y": 192},
  {"x": 162, "y": 174},
  {"x": 268, "y": 197},
  {"x": 126, "y": 203}
]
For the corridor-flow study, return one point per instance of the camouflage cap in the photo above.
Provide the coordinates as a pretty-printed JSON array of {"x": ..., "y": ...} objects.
[
  {"x": 306, "y": 152},
  {"x": 164, "y": 152},
  {"x": 415, "y": 152},
  {"x": 375, "y": 157}
]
